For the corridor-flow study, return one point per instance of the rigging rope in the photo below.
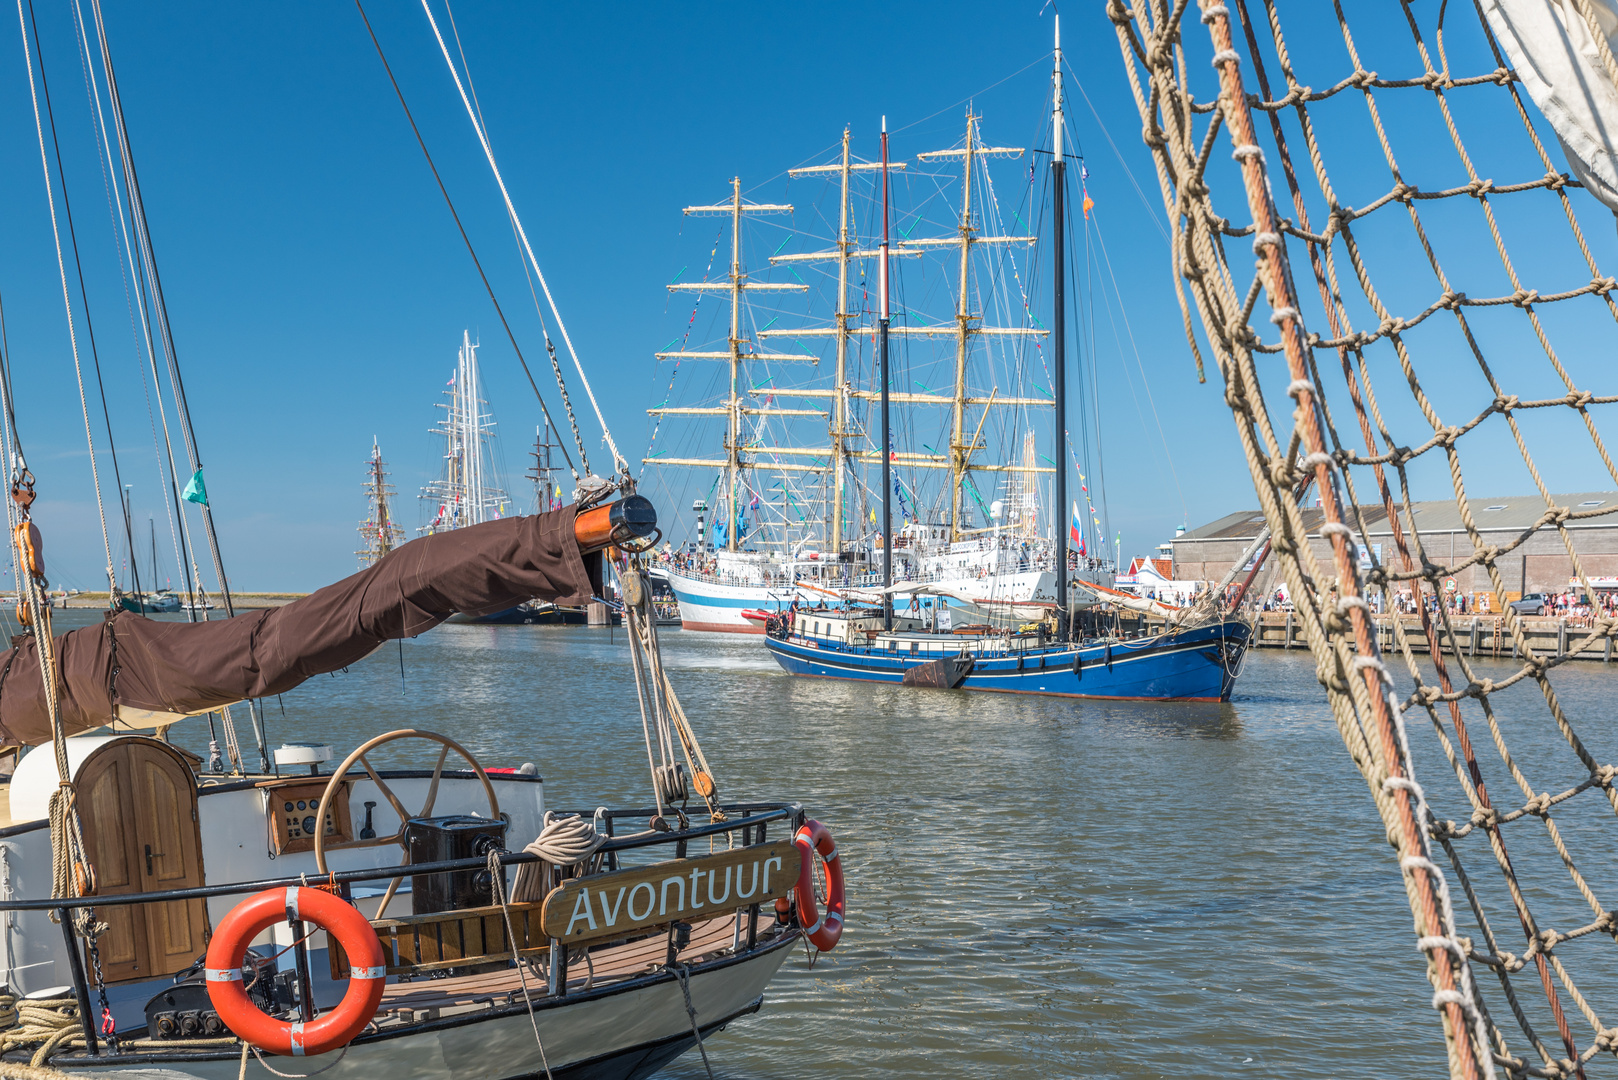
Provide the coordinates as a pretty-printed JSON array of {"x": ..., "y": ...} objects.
[
  {"x": 179, "y": 527},
  {"x": 488, "y": 152},
  {"x": 465, "y": 238},
  {"x": 159, "y": 317},
  {"x": 1331, "y": 592},
  {"x": 67, "y": 301}
]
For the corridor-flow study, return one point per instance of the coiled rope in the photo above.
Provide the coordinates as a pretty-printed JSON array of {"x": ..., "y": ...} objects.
[
  {"x": 566, "y": 841},
  {"x": 53, "y": 1023}
]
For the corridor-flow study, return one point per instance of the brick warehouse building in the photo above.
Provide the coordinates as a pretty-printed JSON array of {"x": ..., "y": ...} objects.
[{"x": 1540, "y": 565}]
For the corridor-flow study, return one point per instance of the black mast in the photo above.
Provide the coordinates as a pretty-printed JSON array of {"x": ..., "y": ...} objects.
[
  {"x": 1059, "y": 341},
  {"x": 882, "y": 354}
]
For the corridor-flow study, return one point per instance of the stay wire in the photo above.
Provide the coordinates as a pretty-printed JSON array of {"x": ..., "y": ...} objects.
[
  {"x": 84, "y": 298},
  {"x": 126, "y": 268},
  {"x": 143, "y": 333},
  {"x": 620, "y": 465},
  {"x": 467, "y": 240},
  {"x": 67, "y": 300},
  {"x": 159, "y": 312}
]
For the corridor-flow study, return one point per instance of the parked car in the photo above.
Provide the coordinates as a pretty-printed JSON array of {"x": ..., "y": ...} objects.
[{"x": 1534, "y": 603}]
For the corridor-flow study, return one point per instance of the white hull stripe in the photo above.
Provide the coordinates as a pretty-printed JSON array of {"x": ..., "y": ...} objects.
[
  {"x": 223, "y": 974},
  {"x": 367, "y": 973}
]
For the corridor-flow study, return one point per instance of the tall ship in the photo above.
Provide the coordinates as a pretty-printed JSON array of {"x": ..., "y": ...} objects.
[
  {"x": 379, "y": 532},
  {"x": 793, "y": 522},
  {"x": 1070, "y": 649},
  {"x": 468, "y": 492}
]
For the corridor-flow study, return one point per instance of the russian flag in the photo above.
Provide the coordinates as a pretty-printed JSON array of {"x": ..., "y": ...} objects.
[{"x": 1075, "y": 532}]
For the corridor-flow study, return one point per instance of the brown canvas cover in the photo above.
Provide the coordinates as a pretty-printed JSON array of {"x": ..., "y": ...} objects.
[{"x": 169, "y": 668}]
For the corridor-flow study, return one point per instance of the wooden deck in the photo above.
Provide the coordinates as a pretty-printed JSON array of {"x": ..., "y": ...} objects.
[{"x": 407, "y": 1001}]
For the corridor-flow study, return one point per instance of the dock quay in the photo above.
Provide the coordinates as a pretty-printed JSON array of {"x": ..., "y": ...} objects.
[{"x": 1477, "y": 635}]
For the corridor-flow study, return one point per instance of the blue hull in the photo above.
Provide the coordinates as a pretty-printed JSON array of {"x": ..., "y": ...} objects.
[{"x": 1191, "y": 665}]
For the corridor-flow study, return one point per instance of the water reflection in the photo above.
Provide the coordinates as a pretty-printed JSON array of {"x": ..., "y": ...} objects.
[{"x": 1038, "y": 887}]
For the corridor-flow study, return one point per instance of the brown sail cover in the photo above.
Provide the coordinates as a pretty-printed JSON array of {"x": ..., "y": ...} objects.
[{"x": 178, "y": 667}]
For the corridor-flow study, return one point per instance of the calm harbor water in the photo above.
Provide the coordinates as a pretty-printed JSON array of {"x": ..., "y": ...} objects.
[{"x": 1038, "y": 887}]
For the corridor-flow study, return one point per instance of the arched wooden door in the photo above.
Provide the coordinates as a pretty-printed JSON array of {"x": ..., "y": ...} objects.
[{"x": 138, "y": 805}]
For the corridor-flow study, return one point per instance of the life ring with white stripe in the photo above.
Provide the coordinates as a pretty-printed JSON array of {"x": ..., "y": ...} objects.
[
  {"x": 332, "y": 1029},
  {"x": 823, "y": 933}
]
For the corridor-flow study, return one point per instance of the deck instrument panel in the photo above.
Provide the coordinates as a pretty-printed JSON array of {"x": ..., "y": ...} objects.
[{"x": 293, "y": 808}]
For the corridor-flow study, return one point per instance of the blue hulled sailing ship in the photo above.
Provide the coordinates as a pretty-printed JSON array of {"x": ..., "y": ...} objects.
[{"x": 1072, "y": 647}]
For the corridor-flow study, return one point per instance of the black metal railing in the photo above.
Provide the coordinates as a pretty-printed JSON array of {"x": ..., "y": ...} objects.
[{"x": 749, "y": 818}]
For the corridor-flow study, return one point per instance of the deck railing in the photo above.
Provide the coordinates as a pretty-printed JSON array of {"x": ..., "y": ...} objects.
[{"x": 750, "y": 819}]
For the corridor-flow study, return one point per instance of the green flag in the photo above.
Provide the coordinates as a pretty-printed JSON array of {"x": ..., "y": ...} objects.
[{"x": 195, "y": 491}]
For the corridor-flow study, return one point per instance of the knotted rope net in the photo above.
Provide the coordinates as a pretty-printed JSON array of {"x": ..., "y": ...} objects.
[{"x": 1465, "y": 355}]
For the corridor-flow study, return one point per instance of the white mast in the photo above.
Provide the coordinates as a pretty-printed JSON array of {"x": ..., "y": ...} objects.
[
  {"x": 737, "y": 458},
  {"x": 465, "y": 493}
]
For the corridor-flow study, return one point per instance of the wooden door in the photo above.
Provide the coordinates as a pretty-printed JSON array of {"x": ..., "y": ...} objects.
[{"x": 138, "y": 806}]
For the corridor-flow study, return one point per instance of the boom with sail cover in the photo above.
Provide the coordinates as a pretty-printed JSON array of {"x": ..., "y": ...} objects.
[{"x": 143, "y": 672}]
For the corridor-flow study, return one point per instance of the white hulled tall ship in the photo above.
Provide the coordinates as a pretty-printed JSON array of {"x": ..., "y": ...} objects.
[
  {"x": 469, "y": 491},
  {"x": 993, "y": 556}
]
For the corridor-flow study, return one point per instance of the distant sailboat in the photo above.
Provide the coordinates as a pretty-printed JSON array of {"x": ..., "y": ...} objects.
[
  {"x": 379, "y": 532},
  {"x": 469, "y": 492},
  {"x": 155, "y": 601}
]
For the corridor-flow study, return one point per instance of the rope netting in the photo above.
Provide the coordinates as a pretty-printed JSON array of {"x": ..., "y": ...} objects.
[{"x": 1465, "y": 354}]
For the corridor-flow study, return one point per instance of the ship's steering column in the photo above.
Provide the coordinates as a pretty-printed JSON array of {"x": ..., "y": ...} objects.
[{"x": 341, "y": 773}]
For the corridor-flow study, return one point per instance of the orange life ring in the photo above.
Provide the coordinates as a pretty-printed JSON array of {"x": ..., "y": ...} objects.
[
  {"x": 331, "y": 1029},
  {"x": 822, "y": 933}
]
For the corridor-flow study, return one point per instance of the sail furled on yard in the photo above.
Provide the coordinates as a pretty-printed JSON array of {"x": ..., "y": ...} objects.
[{"x": 142, "y": 672}]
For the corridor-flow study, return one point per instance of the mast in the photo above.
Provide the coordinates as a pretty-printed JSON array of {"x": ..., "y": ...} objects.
[
  {"x": 882, "y": 375},
  {"x": 544, "y": 469},
  {"x": 845, "y": 252},
  {"x": 152, "y": 526},
  {"x": 464, "y": 491},
  {"x": 733, "y": 419},
  {"x": 967, "y": 323},
  {"x": 1059, "y": 333},
  {"x": 839, "y": 413},
  {"x": 736, "y": 285},
  {"x": 379, "y": 531}
]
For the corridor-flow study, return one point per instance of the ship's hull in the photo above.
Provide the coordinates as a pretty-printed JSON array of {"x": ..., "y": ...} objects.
[
  {"x": 1200, "y": 664},
  {"x": 716, "y": 607},
  {"x": 137, "y": 605},
  {"x": 526, "y": 615},
  {"x": 623, "y": 1032},
  {"x": 723, "y": 607}
]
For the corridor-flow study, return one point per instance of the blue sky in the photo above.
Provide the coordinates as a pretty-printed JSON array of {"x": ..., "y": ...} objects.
[{"x": 318, "y": 289}]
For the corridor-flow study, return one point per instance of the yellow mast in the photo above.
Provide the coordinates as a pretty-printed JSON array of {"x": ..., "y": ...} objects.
[{"x": 845, "y": 252}]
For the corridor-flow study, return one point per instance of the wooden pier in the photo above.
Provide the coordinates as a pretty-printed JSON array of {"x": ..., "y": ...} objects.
[{"x": 1477, "y": 635}]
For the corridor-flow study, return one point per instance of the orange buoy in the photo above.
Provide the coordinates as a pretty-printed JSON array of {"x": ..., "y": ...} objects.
[
  {"x": 330, "y": 1030},
  {"x": 823, "y": 933}
]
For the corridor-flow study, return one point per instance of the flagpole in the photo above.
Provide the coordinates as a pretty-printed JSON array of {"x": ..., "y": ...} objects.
[{"x": 882, "y": 353}]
